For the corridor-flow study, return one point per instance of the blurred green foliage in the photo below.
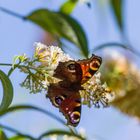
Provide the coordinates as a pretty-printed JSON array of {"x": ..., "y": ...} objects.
[
  {"x": 61, "y": 26},
  {"x": 68, "y": 6},
  {"x": 117, "y": 8},
  {"x": 3, "y": 135},
  {"x": 124, "y": 78}
]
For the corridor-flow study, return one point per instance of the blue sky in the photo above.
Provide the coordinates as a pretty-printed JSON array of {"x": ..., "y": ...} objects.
[{"x": 18, "y": 37}]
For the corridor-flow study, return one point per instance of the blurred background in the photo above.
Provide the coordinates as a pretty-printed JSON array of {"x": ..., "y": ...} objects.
[{"x": 18, "y": 36}]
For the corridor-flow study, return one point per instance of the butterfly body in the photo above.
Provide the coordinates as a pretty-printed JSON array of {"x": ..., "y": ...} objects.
[{"x": 65, "y": 94}]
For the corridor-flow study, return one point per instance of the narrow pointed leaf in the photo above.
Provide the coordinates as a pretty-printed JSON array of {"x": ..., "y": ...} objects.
[
  {"x": 7, "y": 91},
  {"x": 80, "y": 34},
  {"x": 3, "y": 135},
  {"x": 117, "y": 10},
  {"x": 68, "y": 6},
  {"x": 61, "y": 26}
]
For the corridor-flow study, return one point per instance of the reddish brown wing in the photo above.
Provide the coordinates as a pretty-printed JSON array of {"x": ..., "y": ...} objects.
[
  {"x": 68, "y": 101},
  {"x": 70, "y": 72},
  {"x": 78, "y": 72},
  {"x": 89, "y": 67},
  {"x": 71, "y": 108}
]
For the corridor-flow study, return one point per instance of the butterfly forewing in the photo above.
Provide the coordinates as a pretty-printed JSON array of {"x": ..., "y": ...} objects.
[
  {"x": 89, "y": 67},
  {"x": 70, "y": 72}
]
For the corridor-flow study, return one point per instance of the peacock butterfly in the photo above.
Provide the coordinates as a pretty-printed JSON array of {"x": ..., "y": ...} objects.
[{"x": 65, "y": 94}]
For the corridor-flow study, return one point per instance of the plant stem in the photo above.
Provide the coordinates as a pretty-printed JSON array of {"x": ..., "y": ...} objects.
[
  {"x": 22, "y": 107},
  {"x": 5, "y": 64},
  {"x": 116, "y": 44},
  {"x": 12, "y": 13},
  {"x": 60, "y": 133},
  {"x": 17, "y": 132}
]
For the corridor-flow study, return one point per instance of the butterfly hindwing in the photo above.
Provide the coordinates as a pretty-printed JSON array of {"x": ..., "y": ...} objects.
[
  {"x": 71, "y": 108},
  {"x": 68, "y": 101}
]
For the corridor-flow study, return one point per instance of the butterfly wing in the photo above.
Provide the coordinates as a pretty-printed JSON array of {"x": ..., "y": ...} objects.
[
  {"x": 89, "y": 67},
  {"x": 70, "y": 72},
  {"x": 68, "y": 101},
  {"x": 71, "y": 109},
  {"x": 65, "y": 94},
  {"x": 78, "y": 72}
]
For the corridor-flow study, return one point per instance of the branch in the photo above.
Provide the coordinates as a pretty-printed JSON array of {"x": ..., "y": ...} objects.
[
  {"x": 21, "y": 107},
  {"x": 12, "y": 13},
  {"x": 116, "y": 44},
  {"x": 16, "y": 131}
]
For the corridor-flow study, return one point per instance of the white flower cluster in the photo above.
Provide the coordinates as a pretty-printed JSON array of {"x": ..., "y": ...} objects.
[
  {"x": 95, "y": 92},
  {"x": 43, "y": 65},
  {"x": 50, "y": 56}
]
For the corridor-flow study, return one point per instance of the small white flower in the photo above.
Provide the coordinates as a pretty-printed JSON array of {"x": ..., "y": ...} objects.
[
  {"x": 110, "y": 96},
  {"x": 96, "y": 92},
  {"x": 53, "y": 137},
  {"x": 82, "y": 132},
  {"x": 50, "y": 56}
]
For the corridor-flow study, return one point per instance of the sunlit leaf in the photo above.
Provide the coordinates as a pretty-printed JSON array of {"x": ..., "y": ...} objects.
[
  {"x": 68, "y": 6},
  {"x": 7, "y": 91},
  {"x": 118, "y": 11},
  {"x": 3, "y": 135},
  {"x": 62, "y": 26}
]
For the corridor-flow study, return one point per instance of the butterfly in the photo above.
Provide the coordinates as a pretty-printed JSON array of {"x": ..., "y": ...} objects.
[{"x": 65, "y": 94}]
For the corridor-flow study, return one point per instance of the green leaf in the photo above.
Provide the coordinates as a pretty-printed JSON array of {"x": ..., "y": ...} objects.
[
  {"x": 7, "y": 91},
  {"x": 80, "y": 34},
  {"x": 68, "y": 6},
  {"x": 61, "y": 26},
  {"x": 3, "y": 135},
  {"x": 60, "y": 133},
  {"x": 117, "y": 10},
  {"x": 18, "y": 137}
]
